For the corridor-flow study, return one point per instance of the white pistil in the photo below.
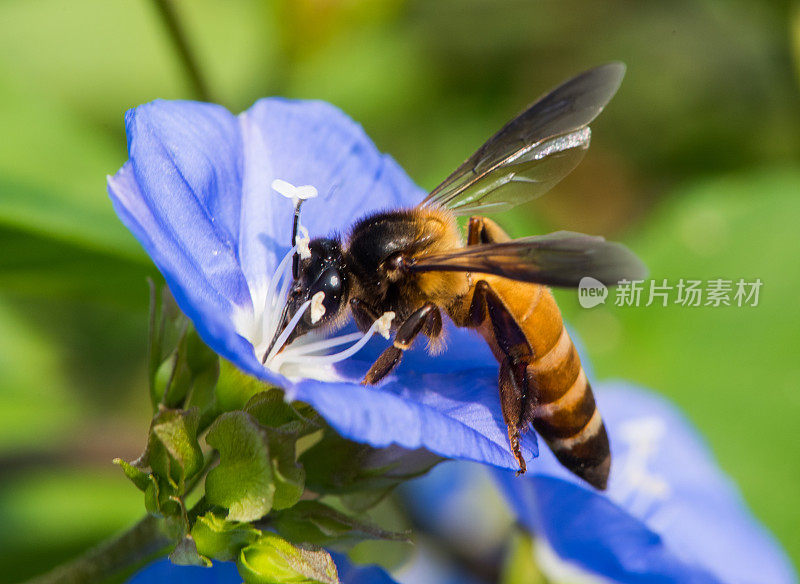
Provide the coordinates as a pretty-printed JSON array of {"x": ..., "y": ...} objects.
[
  {"x": 290, "y": 191},
  {"x": 317, "y": 308}
]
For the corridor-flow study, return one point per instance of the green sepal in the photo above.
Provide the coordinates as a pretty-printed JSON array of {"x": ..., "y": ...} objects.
[
  {"x": 220, "y": 539},
  {"x": 243, "y": 481},
  {"x": 273, "y": 560},
  {"x": 270, "y": 409},
  {"x": 204, "y": 364},
  {"x": 167, "y": 325},
  {"x": 186, "y": 554},
  {"x": 159, "y": 494},
  {"x": 315, "y": 523},
  {"x": 183, "y": 371},
  {"x": 137, "y": 476},
  {"x": 173, "y": 452},
  {"x": 189, "y": 375},
  {"x": 235, "y": 388},
  {"x": 152, "y": 498}
]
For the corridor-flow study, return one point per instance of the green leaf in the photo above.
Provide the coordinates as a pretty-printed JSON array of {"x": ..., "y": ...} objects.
[
  {"x": 361, "y": 474},
  {"x": 315, "y": 523},
  {"x": 273, "y": 560},
  {"x": 186, "y": 554},
  {"x": 283, "y": 425},
  {"x": 288, "y": 474},
  {"x": 243, "y": 481},
  {"x": 172, "y": 451},
  {"x": 221, "y": 539}
]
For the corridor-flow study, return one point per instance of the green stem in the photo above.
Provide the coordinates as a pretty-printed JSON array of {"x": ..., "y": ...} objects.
[
  {"x": 114, "y": 559},
  {"x": 176, "y": 32}
]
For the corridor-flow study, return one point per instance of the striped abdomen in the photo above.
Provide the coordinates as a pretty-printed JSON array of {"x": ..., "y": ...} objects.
[{"x": 559, "y": 400}]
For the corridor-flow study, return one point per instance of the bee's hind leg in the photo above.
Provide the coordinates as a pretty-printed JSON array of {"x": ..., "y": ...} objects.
[
  {"x": 427, "y": 320},
  {"x": 514, "y": 384},
  {"x": 483, "y": 230}
]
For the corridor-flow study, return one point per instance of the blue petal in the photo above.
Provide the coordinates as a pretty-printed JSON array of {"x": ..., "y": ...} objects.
[
  {"x": 453, "y": 414},
  {"x": 309, "y": 143},
  {"x": 165, "y": 572},
  {"x": 350, "y": 573},
  {"x": 184, "y": 164},
  {"x": 669, "y": 515},
  {"x": 197, "y": 194}
]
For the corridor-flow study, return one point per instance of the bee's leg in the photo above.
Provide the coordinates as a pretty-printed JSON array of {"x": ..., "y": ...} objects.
[
  {"x": 363, "y": 314},
  {"x": 426, "y": 318},
  {"x": 484, "y": 230},
  {"x": 514, "y": 385}
]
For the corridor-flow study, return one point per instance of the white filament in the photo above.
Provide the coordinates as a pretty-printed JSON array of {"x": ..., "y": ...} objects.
[
  {"x": 301, "y": 356},
  {"x": 270, "y": 315},
  {"x": 322, "y": 345},
  {"x": 288, "y": 330}
]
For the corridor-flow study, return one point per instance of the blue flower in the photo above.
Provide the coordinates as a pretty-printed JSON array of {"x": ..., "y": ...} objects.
[
  {"x": 669, "y": 515},
  {"x": 164, "y": 571},
  {"x": 197, "y": 194}
]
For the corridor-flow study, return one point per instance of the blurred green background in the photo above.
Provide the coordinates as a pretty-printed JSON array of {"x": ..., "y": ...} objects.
[{"x": 694, "y": 165}]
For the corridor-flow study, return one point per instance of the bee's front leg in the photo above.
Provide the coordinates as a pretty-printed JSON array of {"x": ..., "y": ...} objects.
[{"x": 426, "y": 320}]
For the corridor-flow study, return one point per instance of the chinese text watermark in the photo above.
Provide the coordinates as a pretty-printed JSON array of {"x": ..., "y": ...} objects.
[{"x": 684, "y": 292}]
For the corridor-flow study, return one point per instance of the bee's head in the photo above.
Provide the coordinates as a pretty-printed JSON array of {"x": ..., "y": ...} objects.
[{"x": 319, "y": 279}]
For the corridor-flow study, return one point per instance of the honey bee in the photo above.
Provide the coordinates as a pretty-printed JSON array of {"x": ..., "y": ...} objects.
[{"x": 413, "y": 263}]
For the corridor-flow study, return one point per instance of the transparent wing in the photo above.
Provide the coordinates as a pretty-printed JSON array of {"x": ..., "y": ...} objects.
[
  {"x": 533, "y": 151},
  {"x": 557, "y": 259}
]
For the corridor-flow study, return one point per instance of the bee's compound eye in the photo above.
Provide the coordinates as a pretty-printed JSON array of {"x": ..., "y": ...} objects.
[{"x": 331, "y": 283}]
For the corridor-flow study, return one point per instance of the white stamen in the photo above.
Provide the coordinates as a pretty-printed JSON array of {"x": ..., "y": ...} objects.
[
  {"x": 288, "y": 330},
  {"x": 290, "y": 191},
  {"x": 302, "y": 245},
  {"x": 317, "y": 308},
  {"x": 276, "y": 278},
  {"x": 322, "y": 345},
  {"x": 270, "y": 314},
  {"x": 384, "y": 323},
  {"x": 301, "y": 356}
]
